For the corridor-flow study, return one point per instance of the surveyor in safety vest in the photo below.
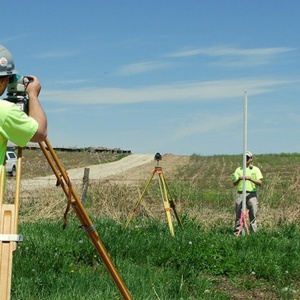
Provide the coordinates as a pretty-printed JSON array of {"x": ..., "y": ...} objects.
[
  {"x": 253, "y": 180},
  {"x": 16, "y": 125}
]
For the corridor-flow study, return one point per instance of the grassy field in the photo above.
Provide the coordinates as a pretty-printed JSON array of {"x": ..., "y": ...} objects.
[{"x": 203, "y": 261}]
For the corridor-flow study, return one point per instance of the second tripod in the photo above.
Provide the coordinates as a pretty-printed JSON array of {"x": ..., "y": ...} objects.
[{"x": 165, "y": 193}]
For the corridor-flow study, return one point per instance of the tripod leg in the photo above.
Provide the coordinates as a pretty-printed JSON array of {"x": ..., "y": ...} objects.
[
  {"x": 244, "y": 225},
  {"x": 6, "y": 248},
  {"x": 245, "y": 228},
  {"x": 246, "y": 222},
  {"x": 8, "y": 230},
  {"x": 18, "y": 185},
  {"x": 164, "y": 195},
  {"x": 2, "y": 183},
  {"x": 86, "y": 223},
  {"x": 172, "y": 203},
  {"x": 139, "y": 201}
]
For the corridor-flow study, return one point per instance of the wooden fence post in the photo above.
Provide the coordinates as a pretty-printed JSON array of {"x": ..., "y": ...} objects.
[{"x": 85, "y": 184}]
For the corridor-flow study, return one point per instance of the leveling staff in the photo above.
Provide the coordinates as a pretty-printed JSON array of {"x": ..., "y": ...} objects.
[
  {"x": 253, "y": 180},
  {"x": 16, "y": 125}
]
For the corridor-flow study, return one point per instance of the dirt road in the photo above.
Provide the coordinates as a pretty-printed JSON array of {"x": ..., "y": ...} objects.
[
  {"x": 129, "y": 169},
  {"x": 95, "y": 172}
]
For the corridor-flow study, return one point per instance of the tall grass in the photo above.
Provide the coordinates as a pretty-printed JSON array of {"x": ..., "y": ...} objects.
[{"x": 203, "y": 261}]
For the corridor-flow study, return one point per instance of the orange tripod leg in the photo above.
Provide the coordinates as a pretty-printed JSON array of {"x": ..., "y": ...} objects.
[{"x": 87, "y": 225}]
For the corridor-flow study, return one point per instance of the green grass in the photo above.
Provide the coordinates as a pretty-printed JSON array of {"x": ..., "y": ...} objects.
[
  {"x": 203, "y": 261},
  {"x": 195, "y": 264}
]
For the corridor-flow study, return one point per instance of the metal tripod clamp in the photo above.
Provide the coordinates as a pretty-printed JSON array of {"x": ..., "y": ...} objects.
[
  {"x": 11, "y": 238},
  {"x": 88, "y": 228}
]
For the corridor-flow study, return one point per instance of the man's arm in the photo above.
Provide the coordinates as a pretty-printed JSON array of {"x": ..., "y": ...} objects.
[
  {"x": 35, "y": 110},
  {"x": 257, "y": 182},
  {"x": 236, "y": 182}
]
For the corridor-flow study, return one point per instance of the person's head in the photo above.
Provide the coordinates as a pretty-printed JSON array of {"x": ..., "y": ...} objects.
[
  {"x": 7, "y": 68},
  {"x": 249, "y": 157}
]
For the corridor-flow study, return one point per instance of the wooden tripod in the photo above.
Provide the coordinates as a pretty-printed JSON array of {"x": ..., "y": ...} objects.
[{"x": 8, "y": 229}]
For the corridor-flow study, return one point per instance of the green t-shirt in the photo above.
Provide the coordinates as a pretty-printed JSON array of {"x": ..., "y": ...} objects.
[
  {"x": 253, "y": 172},
  {"x": 15, "y": 126}
]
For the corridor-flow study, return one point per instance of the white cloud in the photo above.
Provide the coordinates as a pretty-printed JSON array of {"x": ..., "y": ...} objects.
[
  {"x": 227, "y": 56},
  {"x": 16, "y": 37},
  {"x": 228, "y": 51},
  {"x": 206, "y": 123},
  {"x": 235, "y": 57},
  {"x": 142, "y": 67},
  {"x": 182, "y": 91}
]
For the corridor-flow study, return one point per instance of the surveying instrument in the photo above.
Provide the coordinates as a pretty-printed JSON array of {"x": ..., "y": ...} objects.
[
  {"x": 244, "y": 213},
  {"x": 9, "y": 212},
  {"x": 165, "y": 193}
]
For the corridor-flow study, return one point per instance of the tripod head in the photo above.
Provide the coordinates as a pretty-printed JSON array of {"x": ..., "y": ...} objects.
[
  {"x": 157, "y": 157},
  {"x": 16, "y": 91}
]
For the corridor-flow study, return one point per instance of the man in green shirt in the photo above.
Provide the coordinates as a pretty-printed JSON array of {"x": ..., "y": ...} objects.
[
  {"x": 253, "y": 180},
  {"x": 15, "y": 125}
]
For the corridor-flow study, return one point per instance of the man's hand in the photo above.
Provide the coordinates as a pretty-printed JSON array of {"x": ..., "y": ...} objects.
[
  {"x": 36, "y": 111},
  {"x": 33, "y": 86}
]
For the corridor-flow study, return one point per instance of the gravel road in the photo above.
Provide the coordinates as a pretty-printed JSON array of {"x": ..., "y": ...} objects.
[{"x": 100, "y": 171}]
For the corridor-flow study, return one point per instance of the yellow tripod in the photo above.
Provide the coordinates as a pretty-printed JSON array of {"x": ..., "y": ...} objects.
[
  {"x": 165, "y": 193},
  {"x": 9, "y": 222}
]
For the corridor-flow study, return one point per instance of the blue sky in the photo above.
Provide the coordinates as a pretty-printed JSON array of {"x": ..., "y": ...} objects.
[{"x": 162, "y": 76}]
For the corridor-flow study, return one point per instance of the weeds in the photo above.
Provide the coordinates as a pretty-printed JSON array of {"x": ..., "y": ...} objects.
[{"x": 203, "y": 261}]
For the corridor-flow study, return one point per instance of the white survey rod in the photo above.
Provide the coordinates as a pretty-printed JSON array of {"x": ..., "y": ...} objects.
[{"x": 244, "y": 157}]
